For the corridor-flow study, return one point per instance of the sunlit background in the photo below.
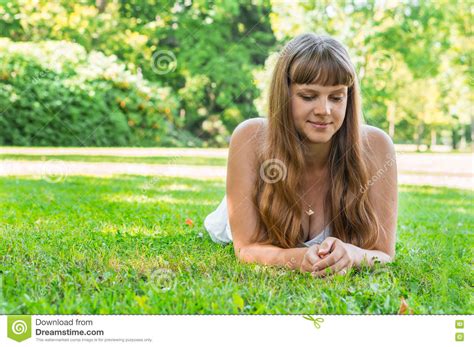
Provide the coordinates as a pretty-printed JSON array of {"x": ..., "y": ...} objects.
[
  {"x": 185, "y": 73},
  {"x": 115, "y": 118}
]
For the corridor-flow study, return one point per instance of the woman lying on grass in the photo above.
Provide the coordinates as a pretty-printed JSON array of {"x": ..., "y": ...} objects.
[{"x": 310, "y": 174}]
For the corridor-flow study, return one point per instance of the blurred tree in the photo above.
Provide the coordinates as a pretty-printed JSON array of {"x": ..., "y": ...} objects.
[
  {"x": 212, "y": 53},
  {"x": 101, "y": 5},
  {"x": 396, "y": 47},
  {"x": 204, "y": 50}
]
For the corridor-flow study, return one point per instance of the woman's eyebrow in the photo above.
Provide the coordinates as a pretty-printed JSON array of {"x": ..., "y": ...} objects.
[{"x": 306, "y": 89}]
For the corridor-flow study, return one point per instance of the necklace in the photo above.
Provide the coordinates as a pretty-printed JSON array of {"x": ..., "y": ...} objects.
[{"x": 309, "y": 211}]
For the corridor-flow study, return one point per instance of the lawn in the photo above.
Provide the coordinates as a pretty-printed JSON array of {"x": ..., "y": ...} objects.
[
  {"x": 134, "y": 245},
  {"x": 164, "y": 160}
]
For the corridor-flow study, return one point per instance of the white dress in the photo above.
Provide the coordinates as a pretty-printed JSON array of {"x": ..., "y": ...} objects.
[{"x": 218, "y": 227}]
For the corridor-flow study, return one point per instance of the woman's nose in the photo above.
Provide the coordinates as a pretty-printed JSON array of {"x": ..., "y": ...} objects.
[{"x": 322, "y": 107}]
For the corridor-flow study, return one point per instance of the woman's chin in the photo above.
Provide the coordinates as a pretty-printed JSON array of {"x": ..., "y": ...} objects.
[{"x": 318, "y": 139}]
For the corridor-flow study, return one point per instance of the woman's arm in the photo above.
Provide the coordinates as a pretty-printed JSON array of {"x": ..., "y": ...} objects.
[
  {"x": 273, "y": 255},
  {"x": 242, "y": 170},
  {"x": 383, "y": 194},
  {"x": 337, "y": 255},
  {"x": 383, "y": 188},
  {"x": 369, "y": 257}
]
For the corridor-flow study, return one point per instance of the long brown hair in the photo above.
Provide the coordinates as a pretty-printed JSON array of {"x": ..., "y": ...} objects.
[{"x": 307, "y": 59}]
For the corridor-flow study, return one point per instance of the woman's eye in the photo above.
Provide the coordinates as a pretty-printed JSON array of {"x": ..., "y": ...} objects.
[{"x": 310, "y": 98}]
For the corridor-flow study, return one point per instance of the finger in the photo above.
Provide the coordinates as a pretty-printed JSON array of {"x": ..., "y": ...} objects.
[
  {"x": 305, "y": 265},
  {"x": 312, "y": 256},
  {"x": 327, "y": 245},
  {"x": 343, "y": 271},
  {"x": 332, "y": 270},
  {"x": 333, "y": 258},
  {"x": 323, "y": 255}
]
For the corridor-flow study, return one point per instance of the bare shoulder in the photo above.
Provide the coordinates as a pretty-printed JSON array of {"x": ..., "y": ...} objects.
[
  {"x": 376, "y": 144},
  {"x": 240, "y": 181},
  {"x": 375, "y": 136},
  {"x": 247, "y": 137},
  {"x": 250, "y": 128}
]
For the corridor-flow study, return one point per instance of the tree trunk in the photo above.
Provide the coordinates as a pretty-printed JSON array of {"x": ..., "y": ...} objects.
[
  {"x": 433, "y": 137},
  {"x": 391, "y": 119},
  {"x": 462, "y": 142},
  {"x": 471, "y": 134},
  {"x": 101, "y": 5},
  {"x": 454, "y": 137},
  {"x": 417, "y": 135}
]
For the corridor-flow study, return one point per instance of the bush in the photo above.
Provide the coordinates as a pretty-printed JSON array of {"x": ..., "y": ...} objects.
[
  {"x": 212, "y": 48},
  {"x": 54, "y": 93}
]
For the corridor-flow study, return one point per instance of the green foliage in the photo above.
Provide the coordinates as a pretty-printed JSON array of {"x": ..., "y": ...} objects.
[
  {"x": 215, "y": 46},
  {"x": 57, "y": 94},
  {"x": 164, "y": 160},
  {"x": 414, "y": 59}
]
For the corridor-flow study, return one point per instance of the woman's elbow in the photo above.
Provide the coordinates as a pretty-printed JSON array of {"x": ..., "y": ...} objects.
[
  {"x": 391, "y": 257},
  {"x": 387, "y": 257},
  {"x": 241, "y": 252}
]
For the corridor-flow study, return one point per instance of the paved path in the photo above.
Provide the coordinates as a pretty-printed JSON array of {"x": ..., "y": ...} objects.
[
  {"x": 118, "y": 151},
  {"x": 449, "y": 170},
  {"x": 66, "y": 168}
]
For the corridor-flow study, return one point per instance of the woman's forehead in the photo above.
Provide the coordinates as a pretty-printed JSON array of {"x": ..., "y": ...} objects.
[{"x": 319, "y": 88}]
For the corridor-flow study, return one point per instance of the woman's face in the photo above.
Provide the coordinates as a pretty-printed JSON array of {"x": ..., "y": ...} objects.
[{"x": 318, "y": 111}]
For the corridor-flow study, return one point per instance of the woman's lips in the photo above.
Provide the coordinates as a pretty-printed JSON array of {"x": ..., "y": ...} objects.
[{"x": 319, "y": 125}]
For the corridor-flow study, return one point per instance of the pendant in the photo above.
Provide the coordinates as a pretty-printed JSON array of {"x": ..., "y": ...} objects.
[{"x": 309, "y": 212}]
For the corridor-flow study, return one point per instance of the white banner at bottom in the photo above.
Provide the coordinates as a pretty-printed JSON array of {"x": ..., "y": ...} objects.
[{"x": 290, "y": 330}]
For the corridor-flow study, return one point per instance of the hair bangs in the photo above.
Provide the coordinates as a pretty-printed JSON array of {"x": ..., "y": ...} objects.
[
  {"x": 319, "y": 66},
  {"x": 322, "y": 60}
]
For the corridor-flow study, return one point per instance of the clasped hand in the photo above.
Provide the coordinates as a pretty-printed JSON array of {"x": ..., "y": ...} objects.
[{"x": 332, "y": 256}]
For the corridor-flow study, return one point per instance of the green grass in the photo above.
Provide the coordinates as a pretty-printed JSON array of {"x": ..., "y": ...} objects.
[
  {"x": 122, "y": 245},
  {"x": 165, "y": 160}
]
